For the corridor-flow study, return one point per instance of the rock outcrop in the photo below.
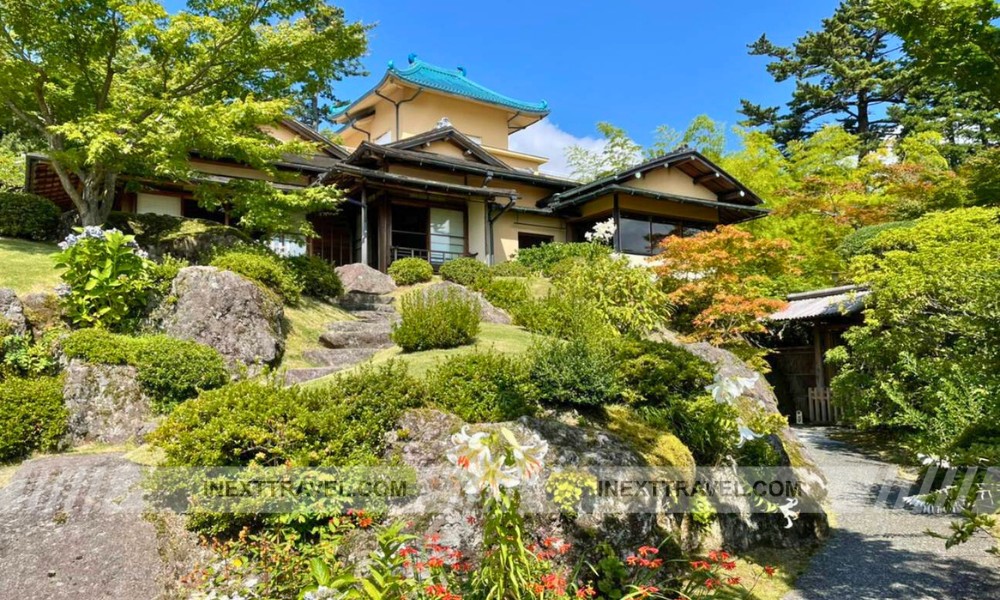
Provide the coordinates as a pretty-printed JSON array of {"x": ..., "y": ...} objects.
[
  {"x": 12, "y": 321},
  {"x": 227, "y": 312},
  {"x": 106, "y": 403},
  {"x": 487, "y": 312}
]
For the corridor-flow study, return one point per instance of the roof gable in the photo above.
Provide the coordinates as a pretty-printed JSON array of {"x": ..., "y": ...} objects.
[
  {"x": 453, "y": 136},
  {"x": 457, "y": 82}
]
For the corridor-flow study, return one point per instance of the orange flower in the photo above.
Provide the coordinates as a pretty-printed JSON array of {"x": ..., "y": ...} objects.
[
  {"x": 647, "y": 550},
  {"x": 770, "y": 570},
  {"x": 646, "y": 590},
  {"x": 586, "y": 592}
]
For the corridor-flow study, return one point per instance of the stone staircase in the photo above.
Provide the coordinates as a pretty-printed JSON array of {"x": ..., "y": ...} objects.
[{"x": 347, "y": 343}]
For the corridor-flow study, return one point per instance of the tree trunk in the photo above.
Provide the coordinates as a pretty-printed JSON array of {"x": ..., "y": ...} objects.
[{"x": 97, "y": 197}]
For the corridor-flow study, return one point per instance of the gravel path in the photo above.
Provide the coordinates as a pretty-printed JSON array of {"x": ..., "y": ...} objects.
[{"x": 880, "y": 551}]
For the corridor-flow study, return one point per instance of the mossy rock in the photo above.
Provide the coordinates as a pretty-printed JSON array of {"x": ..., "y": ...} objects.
[
  {"x": 658, "y": 448},
  {"x": 194, "y": 240}
]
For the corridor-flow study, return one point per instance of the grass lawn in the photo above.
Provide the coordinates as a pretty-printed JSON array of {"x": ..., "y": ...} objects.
[
  {"x": 501, "y": 338},
  {"x": 306, "y": 322},
  {"x": 27, "y": 266}
]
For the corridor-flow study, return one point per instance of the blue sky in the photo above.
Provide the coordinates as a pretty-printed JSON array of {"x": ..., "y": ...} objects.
[{"x": 636, "y": 64}]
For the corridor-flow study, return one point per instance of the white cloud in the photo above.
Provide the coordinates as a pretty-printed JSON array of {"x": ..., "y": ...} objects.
[{"x": 546, "y": 139}]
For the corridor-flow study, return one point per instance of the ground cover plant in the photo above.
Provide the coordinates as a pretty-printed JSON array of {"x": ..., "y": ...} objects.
[{"x": 482, "y": 386}]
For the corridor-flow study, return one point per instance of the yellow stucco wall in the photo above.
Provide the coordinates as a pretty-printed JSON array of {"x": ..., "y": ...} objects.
[
  {"x": 506, "y": 228},
  {"x": 671, "y": 181},
  {"x": 242, "y": 172}
]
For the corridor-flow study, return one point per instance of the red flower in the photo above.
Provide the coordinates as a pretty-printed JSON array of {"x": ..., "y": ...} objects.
[
  {"x": 729, "y": 566},
  {"x": 700, "y": 564},
  {"x": 435, "y": 562},
  {"x": 647, "y": 550},
  {"x": 733, "y": 581},
  {"x": 646, "y": 590},
  {"x": 433, "y": 538},
  {"x": 634, "y": 560},
  {"x": 711, "y": 583},
  {"x": 463, "y": 461},
  {"x": 407, "y": 551},
  {"x": 471, "y": 520},
  {"x": 770, "y": 570},
  {"x": 586, "y": 592}
]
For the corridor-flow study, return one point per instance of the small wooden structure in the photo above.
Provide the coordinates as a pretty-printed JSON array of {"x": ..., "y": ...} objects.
[{"x": 810, "y": 325}]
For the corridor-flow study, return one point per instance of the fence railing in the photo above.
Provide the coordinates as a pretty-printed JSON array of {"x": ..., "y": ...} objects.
[
  {"x": 435, "y": 257},
  {"x": 821, "y": 407}
]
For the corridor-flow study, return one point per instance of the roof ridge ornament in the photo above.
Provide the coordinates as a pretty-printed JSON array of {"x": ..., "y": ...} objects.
[
  {"x": 462, "y": 70},
  {"x": 443, "y": 123},
  {"x": 411, "y": 57}
]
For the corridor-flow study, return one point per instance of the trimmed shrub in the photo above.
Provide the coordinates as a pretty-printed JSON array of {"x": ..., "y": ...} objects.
[
  {"x": 657, "y": 374},
  {"x": 32, "y": 416},
  {"x": 170, "y": 370},
  {"x": 707, "y": 427},
  {"x": 28, "y": 216},
  {"x": 265, "y": 423},
  {"x": 317, "y": 277},
  {"x": 436, "y": 319},
  {"x": 543, "y": 258},
  {"x": 465, "y": 271},
  {"x": 510, "y": 268},
  {"x": 408, "y": 271},
  {"x": 262, "y": 267},
  {"x": 573, "y": 372},
  {"x": 509, "y": 294},
  {"x": 482, "y": 387}
]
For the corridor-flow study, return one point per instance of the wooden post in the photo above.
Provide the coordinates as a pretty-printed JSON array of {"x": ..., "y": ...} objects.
[
  {"x": 364, "y": 226},
  {"x": 616, "y": 215},
  {"x": 818, "y": 349}
]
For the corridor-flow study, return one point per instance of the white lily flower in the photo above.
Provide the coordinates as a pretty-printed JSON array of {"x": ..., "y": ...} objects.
[
  {"x": 495, "y": 476},
  {"x": 528, "y": 458},
  {"x": 747, "y": 435}
]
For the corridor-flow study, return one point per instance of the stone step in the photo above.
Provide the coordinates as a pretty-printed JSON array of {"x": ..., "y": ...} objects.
[
  {"x": 353, "y": 301},
  {"x": 340, "y": 358},
  {"x": 357, "y": 334},
  {"x": 294, "y": 376}
]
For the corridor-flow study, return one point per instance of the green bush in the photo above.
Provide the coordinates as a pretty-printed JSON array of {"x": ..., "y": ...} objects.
[
  {"x": 658, "y": 374},
  {"x": 510, "y": 268},
  {"x": 430, "y": 319},
  {"x": 28, "y": 216},
  {"x": 708, "y": 428},
  {"x": 268, "y": 424},
  {"x": 32, "y": 416},
  {"x": 925, "y": 359},
  {"x": 543, "y": 258},
  {"x": 20, "y": 357},
  {"x": 317, "y": 277},
  {"x": 108, "y": 276},
  {"x": 576, "y": 371},
  {"x": 628, "y": 296},
  {"x": 465, "y": 271},
  {"x": 263, "y": 267},
  {"x": 509, "y": 294},
  {"x": 562, "y": 316},
  {"x": 408, "y": 271},
  {"x": 860, "y": 241},
  {"x": 170, "y": 370},
  {"x": 482, "y": 387}
]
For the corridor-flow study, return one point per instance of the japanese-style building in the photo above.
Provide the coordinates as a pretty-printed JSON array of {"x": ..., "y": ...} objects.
[{"x": 425, "y": 162}]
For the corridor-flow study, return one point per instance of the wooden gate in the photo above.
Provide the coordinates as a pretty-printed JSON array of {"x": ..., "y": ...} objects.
[{"x": 821, "y": 408}]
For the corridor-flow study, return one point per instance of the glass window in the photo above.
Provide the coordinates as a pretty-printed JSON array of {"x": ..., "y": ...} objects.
[
  {"x": 635, "y": 234},
  {"x": 663, "y": 230},
  {"x": 447, "y": 234}
]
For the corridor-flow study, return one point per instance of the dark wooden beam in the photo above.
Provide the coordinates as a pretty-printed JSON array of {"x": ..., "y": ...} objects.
[
  {"x": 706, "y": 177},
  {"x": 733, "y": 196}
]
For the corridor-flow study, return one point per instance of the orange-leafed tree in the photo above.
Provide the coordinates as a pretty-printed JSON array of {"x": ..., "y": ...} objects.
[{"x": 721, "y": 284}]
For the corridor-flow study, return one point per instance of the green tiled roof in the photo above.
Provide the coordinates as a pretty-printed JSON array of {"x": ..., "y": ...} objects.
[{"x": 456, "y": 82}]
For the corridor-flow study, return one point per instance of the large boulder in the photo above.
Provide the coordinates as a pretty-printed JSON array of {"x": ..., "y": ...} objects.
[
  {"x": 106, "y": 403},
  {"x": 361, "y": 279},
  {"x": 12, "y": 321},
  {"x": 227, "y": 312},
  {"x": 487, "y": 312}
]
